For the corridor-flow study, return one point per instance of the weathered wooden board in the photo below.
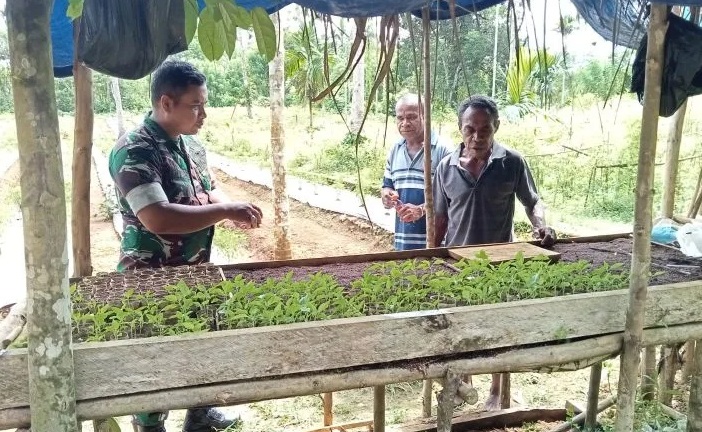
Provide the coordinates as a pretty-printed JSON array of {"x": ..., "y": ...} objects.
[
  {"x": 499, "y": 253},
  {"x": 135, "y": 366},
  {"x": 557, "y": 356},
  {"x": 513, "y": 417}
]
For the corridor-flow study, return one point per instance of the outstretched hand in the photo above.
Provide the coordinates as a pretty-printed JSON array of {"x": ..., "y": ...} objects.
[
  {"x": 244, "y": 215},
  {"x": 547, "y": 235}
]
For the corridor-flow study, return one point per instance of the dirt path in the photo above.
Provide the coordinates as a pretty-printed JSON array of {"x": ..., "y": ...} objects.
[{"x": 313, "y": 232}]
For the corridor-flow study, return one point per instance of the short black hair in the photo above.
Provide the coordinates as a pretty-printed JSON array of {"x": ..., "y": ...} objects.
[
  {"x": 480, "y": 102},
  {"x": 172, "y": 78}
]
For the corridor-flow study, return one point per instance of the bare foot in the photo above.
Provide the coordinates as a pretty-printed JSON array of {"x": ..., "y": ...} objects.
[{"x": 493, "y": 403}]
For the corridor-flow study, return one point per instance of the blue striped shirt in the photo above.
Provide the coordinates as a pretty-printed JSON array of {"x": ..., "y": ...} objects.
[{"x": 406, "y": 176}]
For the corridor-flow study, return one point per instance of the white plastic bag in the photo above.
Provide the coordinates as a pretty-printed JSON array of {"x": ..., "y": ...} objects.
[{"x": 690, "y": 238}]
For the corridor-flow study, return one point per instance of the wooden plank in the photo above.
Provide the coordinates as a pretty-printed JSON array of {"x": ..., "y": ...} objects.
[
  {"x": 178, "y": 362},
  {"x": 567, "y": 356},
  {"x": 503, "y": 252},
  {"x": 441, "y": 252},
  {"x": 513, "y": 417}
]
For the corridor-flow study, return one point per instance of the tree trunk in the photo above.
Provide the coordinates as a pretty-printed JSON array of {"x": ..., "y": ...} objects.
[
  {"x": 117, "y": 96},
  {"x": 671, "y": 161},
  {"x": 648, "y": 378},
  {"x": 641, "y": 258},
  {"x": 51, "y": 375},
  {"x": 281, "y": 205},
  {"x": 358, "y": 96},
  {"x": 694, "y": 410},
  {"x": 494, "y": 50},
  {"x": 666, "y": 378},
  {"x": 82, "y": 163}
]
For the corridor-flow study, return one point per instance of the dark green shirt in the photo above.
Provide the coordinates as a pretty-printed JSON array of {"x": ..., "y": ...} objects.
[{"x": 148, "y": 167}]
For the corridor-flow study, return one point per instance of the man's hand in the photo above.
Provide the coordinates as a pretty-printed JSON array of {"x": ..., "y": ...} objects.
[
  {"x": 409, "y": 212},
  {"x": 547, "y": 235},
  {"x": 389, "y": 197},
  {"x": 244, "y": 215}
]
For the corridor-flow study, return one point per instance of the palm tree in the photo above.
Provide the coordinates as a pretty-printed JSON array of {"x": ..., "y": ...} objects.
[{"x": 528, "y": 78}]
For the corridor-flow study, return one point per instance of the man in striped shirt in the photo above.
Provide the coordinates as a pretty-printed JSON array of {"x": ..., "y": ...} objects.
[{"x": 403, "y": 181}]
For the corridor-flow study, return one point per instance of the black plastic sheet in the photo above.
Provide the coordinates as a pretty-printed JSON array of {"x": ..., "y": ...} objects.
[
  {"x": 682, "y": 67},
  {"x": 130, "y": 38}
]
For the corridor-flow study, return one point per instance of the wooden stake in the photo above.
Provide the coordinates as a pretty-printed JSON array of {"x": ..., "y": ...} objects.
[
  {"x": 641, "y": 258},
  {"x": 82, "y": 162},
  {"x": 505, "y": 391},
  {"x": 444, "y": 410},
  {"x": 379, "y": 408},
  {"x": 666, "y": 379},
  {"x": 593, "y": 396},
  {"x": 427, "y": 391},
  {"x": 50, "y": 361},
  {"x": 694, "y": 406},
  {"x": 428, "y": 194},
  {"x": 648, "y": 378},
  {"x": 281, "y": 206},
  {"x": 689, "y": 359},
  {"x": 671, "y": 161},
  {"x": 328, "y": 408}
]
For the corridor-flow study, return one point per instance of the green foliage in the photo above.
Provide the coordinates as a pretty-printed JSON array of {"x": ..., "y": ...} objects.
[
  {"x": 75, "y": 9},
  {"x": 389, "y": 287},
  {"x": 528, "y": 78},
  {"x": 604, "y": 79}
]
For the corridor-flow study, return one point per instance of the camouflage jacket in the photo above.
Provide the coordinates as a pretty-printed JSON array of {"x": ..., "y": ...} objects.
[{"x": 146, "y": 157}]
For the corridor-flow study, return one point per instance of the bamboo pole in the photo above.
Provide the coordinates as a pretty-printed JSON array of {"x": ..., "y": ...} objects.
[
  {"x": 593, "y": 396},
  {"x": 379, "y": 408},
  {"x": 50, "y": 360},
  {"x": 428, "y": 194},
  {"x": 641, "y": 258},
  {"x": 672, "y": 155},
  {"x": 547, "y": 359},
  {"x": 82, "y": 162},
  {"x": 694, "y": 406}
]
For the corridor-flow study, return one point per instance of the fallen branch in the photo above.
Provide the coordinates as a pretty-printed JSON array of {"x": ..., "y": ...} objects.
[{"x": 565, "y": 427}]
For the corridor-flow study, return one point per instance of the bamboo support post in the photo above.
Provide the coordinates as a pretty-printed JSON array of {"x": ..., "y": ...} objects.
[
  {"x": 688, "y": 362},
  {"x": 672, "y": 155},
  {"x": 428, "y": 194},
  {"x": 565, "y": 427},
  {"x": 694, "y": 406},
  {"x": 379, "y": 408},
  {"x": 82, "y": 163},
  {"x": 593, "y": 397},
  {"x": 444, "y": 409},
  {"x": 328, "y": 407},
  {"x": 505, "y": 391},
  {"x": 641, "y": 258}
]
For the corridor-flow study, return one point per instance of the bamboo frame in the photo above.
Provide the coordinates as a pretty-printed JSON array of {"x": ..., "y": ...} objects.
[{"x": 544, "y": 358}]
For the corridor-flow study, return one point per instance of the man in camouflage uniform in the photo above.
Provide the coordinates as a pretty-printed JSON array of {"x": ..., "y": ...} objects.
[{"x": 168, "y": 199}]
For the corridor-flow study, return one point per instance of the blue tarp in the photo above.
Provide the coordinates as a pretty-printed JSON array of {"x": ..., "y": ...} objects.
[{"x": 618, "y": 21}]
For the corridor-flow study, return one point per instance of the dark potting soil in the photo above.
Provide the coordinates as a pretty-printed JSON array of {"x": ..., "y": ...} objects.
[{"x": 668, "y": 265}]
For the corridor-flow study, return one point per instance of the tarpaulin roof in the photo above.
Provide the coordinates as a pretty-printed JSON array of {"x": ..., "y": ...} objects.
[{"x": 619, "y": 21}]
